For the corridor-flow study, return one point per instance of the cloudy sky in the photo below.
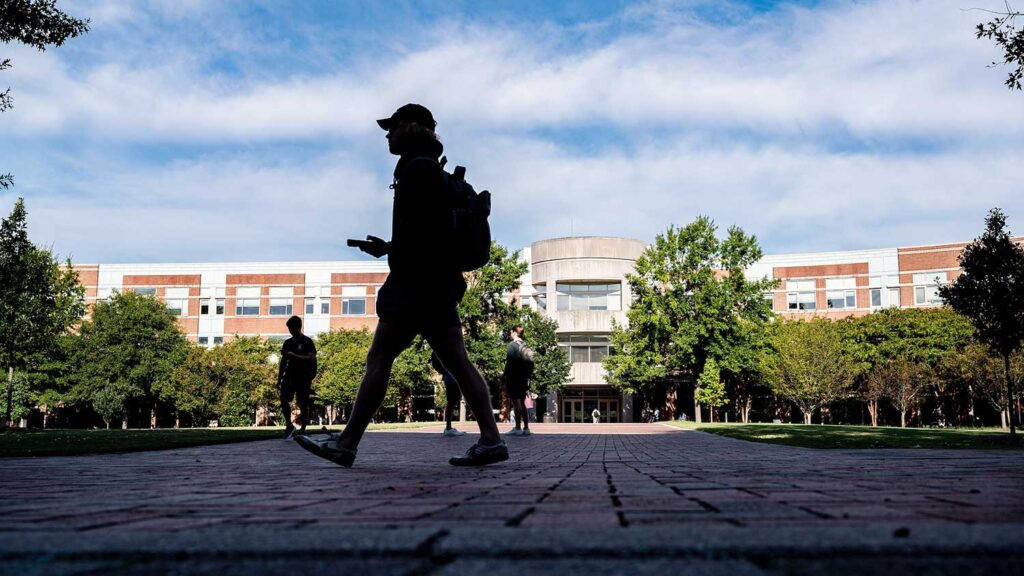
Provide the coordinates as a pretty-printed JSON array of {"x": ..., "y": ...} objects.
[{"x": 187, "y": 130}]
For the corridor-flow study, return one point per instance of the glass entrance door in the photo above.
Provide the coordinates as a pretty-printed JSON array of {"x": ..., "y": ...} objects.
[{"x": 572, "y": 411}]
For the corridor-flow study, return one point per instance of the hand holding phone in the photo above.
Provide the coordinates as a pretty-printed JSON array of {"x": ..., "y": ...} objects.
[{"x": 373, "y": 246}]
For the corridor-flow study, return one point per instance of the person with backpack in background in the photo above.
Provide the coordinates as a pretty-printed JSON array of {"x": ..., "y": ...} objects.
[
  {"x": 518, "y": 370},
  {"x": 452, "y": 396},
  {"x": 295, "y": 373},
  {"x": 439, "y": 230}
]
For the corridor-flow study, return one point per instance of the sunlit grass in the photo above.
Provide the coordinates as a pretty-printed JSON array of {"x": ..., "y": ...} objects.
[
  {"x": 839, "y": 437},
  {"x": 72, "y": 442}
]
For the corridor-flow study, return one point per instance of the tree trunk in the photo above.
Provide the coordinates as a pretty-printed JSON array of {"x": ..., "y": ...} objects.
[
  {"x": 873, "y": 411},
  {"x": 807, "y": 416},
  {"x": 903, "y": 419},
  {"x": 711, "y": 414},
  {"x": 124, "y": 424},
  {"x": 696, "y": 411},
  {"x": 1010, "y": 402},
  {"x": 9, "y": 417},
  {"x": 1004, "y": 418},
  {"x": 746, "y": 412},
  {"x": 152, "y": 417}
]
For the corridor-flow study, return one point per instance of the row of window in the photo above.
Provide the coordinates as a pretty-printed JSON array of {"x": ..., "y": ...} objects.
[
  {"x": 581, "y": 296},
  {"x": 584, "y": 347},
  {"x": 247, "y": 302},
  {"x": 840, "y": 293}
]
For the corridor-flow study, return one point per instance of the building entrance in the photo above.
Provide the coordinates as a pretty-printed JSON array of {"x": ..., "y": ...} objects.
[{"x": 577, "y": 406}]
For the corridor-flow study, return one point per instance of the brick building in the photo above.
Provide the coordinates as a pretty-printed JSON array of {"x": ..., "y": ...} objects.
[{"x": 579, "y": 282}]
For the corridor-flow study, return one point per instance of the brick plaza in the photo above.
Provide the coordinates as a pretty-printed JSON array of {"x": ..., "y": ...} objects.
[{"x": 606, "y": 499}]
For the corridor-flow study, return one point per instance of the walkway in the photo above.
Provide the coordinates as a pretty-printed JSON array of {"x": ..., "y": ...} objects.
[{"x": 599, "y": 498}]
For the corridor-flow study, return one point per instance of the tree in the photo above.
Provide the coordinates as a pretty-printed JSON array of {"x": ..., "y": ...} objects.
[
  {"x": 551, "y": 366},
  {"x": 341, "y": 356},
  {"x": 244, "y": 368},
  {"x": 923, "y": 336},
  {"x": 37, "y": 23},
  {"x": 193, "y": 387},
  {"x": 710, "y": 389},
  {"x": 122, "y": 353},
  {"x": 1009, "y": 39},
  {"x": 39, "y": 300},
  {"x": 902, "y": 383},
  {"x": 486, "y": 310},
  {"x": 990, "y": 291},
  {"x": 808, "y": 363},
  {"x": 982, "y": 372},
  {"x": 691, "y": 301}
]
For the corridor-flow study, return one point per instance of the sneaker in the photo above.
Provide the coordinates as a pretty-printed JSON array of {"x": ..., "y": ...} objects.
[
  {"x": 514, "y": 432},
  {"x": 328, "y": 449},
  {"x": 289, "y": 431},
  {"x": 452, "y": 432},
  {"x": 526, "y": 432},
  {"x": 480, "y": 455}
]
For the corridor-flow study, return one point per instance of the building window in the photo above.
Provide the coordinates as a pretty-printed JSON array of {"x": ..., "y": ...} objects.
[
  {"x": 204, "y": 340},
  {"x": 352, "y": 306},
  {"x": 144, "y": 290},
  {"x": 894, "y": 297},
  {"x": 204, "y": 307},
  {"x": 540, "y": 295},
  {"x": 310, "y": 306},
  {"x": 218, "y": 340},
  {"x": 325, "y": 306},
  {"x": 926, "y": 288},
  {"x": 247, "y": 302},
  {"x": 572, "y": 296},
  {"x": 801, "y": 295},
  {"x": 353, "y": 300},
  {"x": 876, "y": 297},
  {"x": 176, "y": 301},
  {"x": 281, "y": 300},
  {"x": 841, "y": 293},
  {"x": 584, "y": 347}
]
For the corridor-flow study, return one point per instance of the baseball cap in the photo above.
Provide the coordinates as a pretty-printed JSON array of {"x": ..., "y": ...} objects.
[{"x": 409, "y": 113}]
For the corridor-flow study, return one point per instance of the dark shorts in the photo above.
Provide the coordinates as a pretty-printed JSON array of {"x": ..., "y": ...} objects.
[
  {"x": 295, "y": 389},
  {"x": 516, "y": 389},
  {"x": 420, "y": 307}
]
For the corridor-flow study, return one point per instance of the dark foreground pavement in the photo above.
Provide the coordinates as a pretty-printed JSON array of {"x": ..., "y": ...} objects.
[{"x": 597, "y": 499}]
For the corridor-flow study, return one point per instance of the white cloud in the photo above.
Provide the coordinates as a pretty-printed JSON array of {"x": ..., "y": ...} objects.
[{"x": 852, "y": 125}]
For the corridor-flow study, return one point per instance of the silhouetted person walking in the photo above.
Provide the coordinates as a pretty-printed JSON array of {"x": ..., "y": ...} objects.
[
  {"x": 518, "y": 369},
  {"x": 295, "y": 374},
  {"x": 420, "y": 295},
  {"x": 452, "y": 396}
]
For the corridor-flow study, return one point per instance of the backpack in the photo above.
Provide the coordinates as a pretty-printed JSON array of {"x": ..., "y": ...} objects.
[{"x": 468, "y": 232}]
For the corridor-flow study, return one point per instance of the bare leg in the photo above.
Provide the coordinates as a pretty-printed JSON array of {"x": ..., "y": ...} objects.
[
  {"x": 303, "y": 400},
  {"x": 388, "y": 343},
  {"x": 286, "y": 414},
  {"x": 451, "y": 350},
  {"x": 521, "y": 416}
]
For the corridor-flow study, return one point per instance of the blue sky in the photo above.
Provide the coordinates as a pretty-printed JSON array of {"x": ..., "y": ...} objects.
[{"x": 193, "y": 130}]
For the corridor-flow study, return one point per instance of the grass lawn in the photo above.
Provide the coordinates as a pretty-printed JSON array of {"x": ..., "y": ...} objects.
[
  {"x": 75, "y": 442},
  {"x": 816, "y": 436}
]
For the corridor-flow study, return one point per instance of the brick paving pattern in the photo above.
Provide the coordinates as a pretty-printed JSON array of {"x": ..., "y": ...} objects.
[{"x": 600, "y": 498}]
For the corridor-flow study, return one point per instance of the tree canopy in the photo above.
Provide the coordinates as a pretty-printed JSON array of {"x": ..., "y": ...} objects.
[
  {"x": 39, "y": 300},
  {"x": 691, "y": 301}
]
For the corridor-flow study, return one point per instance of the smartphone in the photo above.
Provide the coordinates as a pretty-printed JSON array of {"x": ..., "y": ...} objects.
[{"x": 359, "y": 243}]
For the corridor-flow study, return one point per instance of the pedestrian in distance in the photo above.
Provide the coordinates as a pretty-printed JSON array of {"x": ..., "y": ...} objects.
[
  {"x": 596, "y": 416},
  {"x": 295, "y": 373},
  {"x": 438, "y": 231},
  {"x": 452, "y": 396},
  {"x": 518, "y": 370}
]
